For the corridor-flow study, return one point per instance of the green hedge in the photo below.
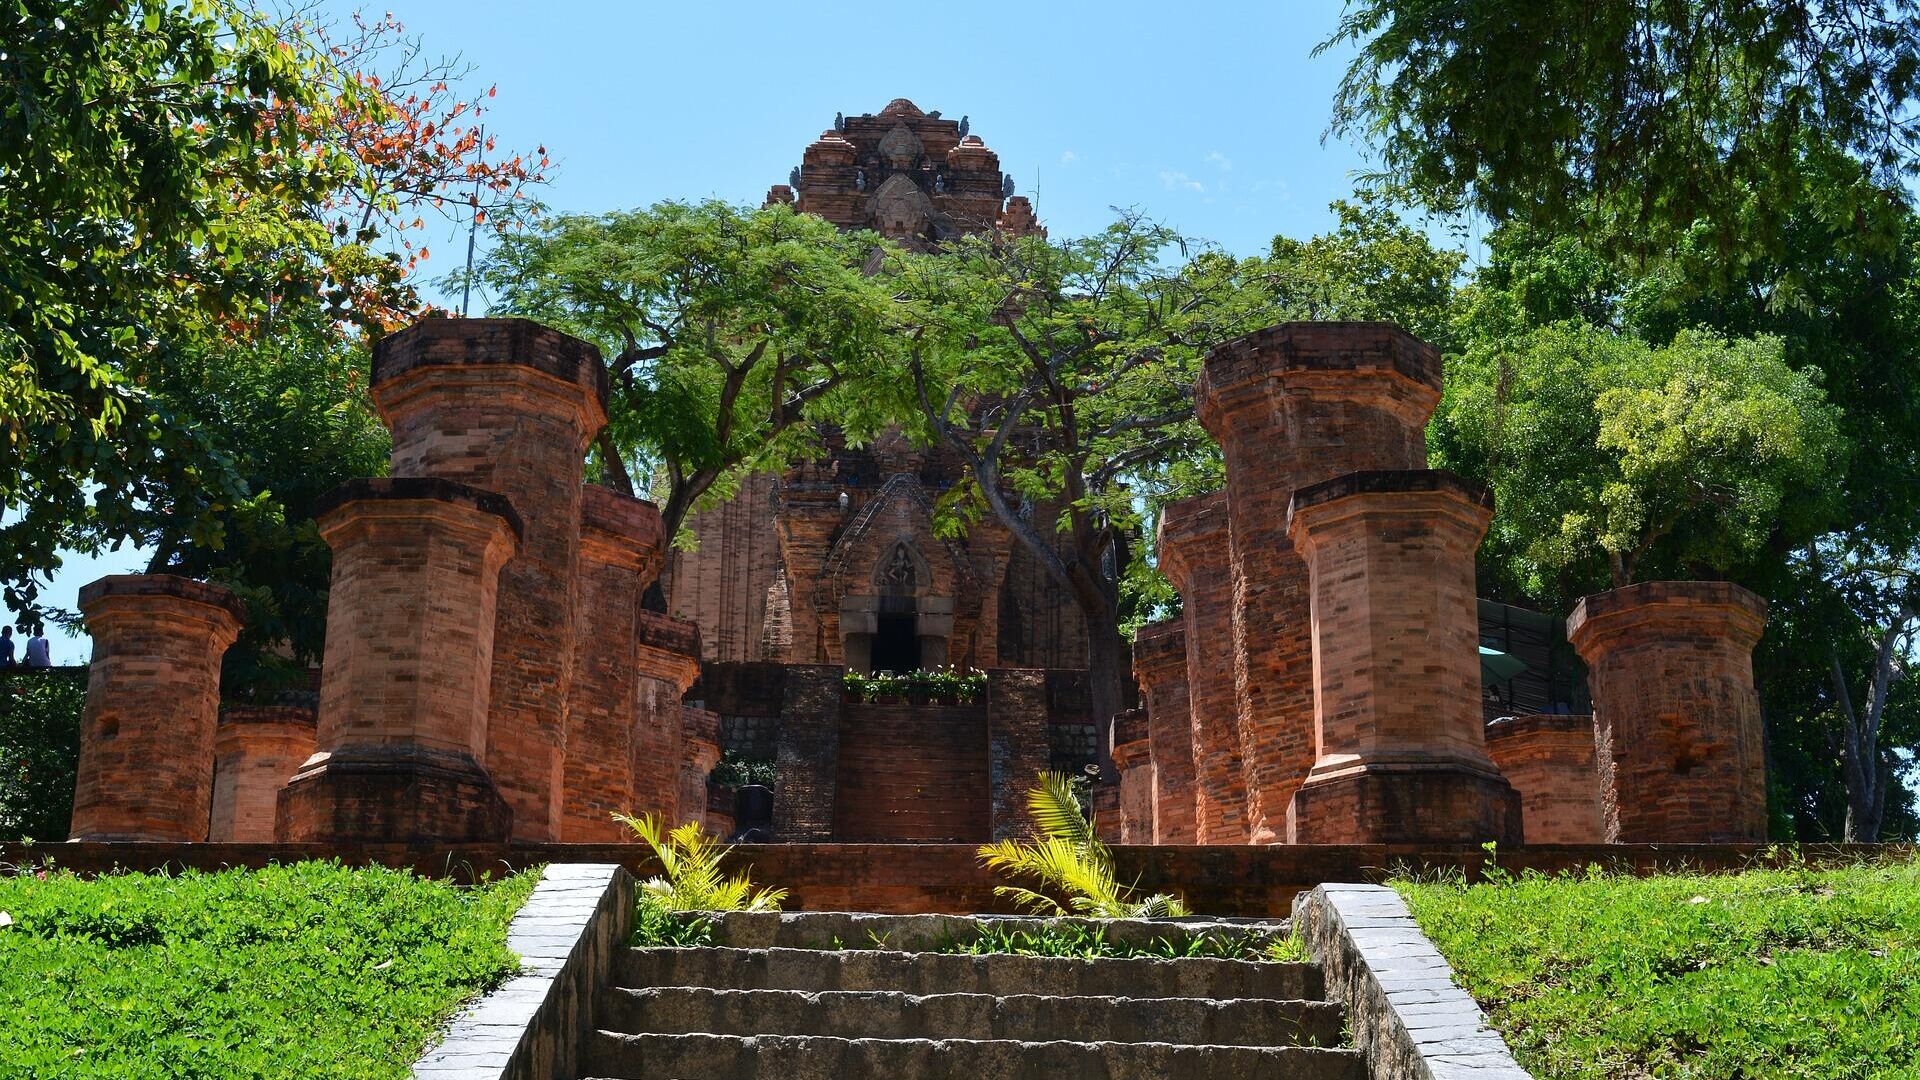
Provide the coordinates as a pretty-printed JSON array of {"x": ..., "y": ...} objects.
[
  {"x": 39, "y": 747},
  {"x": 293, "y": 971}
]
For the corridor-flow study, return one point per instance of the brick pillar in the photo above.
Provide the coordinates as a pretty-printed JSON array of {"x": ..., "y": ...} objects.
[
  {"x": 256, "y": 749},
  {"x": 510, "y": 406},
  {"x": 700, "y": 734},
  {"x": 1679, "y": 745},
  {"x": 1548, "y": 759},
  {"x": 666, "y": 660},
  {"x": 1402, "y": 755},
  {"x": 1133, "y": 758},
  {"x": 1294, "y": 405},
  {"x": 403, "y": 689},
  {"x": 621, "y": 549},
  {"x": 1017, "y": 746},
  {"x": 1195, "y": 556},
  {"x": 1160, "y": 666},
  {"x": 1109, "y": 826},
  {"x": 808, "y": 753},
  {"x": 153, "y": 695}
]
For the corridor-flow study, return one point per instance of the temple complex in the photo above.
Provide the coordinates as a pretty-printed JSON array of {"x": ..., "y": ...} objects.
[{"x": 495, "y": 670}]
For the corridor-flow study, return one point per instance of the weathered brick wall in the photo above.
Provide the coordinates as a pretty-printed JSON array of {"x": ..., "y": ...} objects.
[
  {"x": 621, "y": 547},
  {"x": 402, "y": 726},
  {"x": 1402, "y": 746},
  {"x": 1195, "y": 555},
  {"x": 809, "y": 756},
  {"x": 1133, "y": 758},
  {"x": 1294, "y": 405},
  {"x": 667, "y": 661},
  {"x": 701, "y": 742},
  {"x": 510, "y": 406},
  {"x": 1160, "y": 665},
  {"x": 1548, "y": 758},
  {"x": 256, "y": 749},
  {"x": 722, "y": 587},
  {"x": 1679, "y": 746},
  {"x": 748, "y": 697},
  {"x": 912, "y": 772},
  {"x": 153, "y": 693},
  {"x": 1017, "y": 745}
]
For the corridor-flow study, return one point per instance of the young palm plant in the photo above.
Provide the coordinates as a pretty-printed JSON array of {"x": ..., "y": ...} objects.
[
  {"x": 690, "y": 878},
  {"x": 1070, "y": 861}
]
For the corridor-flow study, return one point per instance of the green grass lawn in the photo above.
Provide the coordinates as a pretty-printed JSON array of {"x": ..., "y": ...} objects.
[
  {"x": 293, "y": 971},
  {"x": 1770, "y": 973}
]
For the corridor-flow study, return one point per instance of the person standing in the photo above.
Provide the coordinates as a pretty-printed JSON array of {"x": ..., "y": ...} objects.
[
  {"x": 37, "y": 653},
  {"x": 6, "y": 647}
]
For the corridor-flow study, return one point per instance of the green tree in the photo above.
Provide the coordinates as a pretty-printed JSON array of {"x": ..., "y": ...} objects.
[{"x": 728, "y": 333}]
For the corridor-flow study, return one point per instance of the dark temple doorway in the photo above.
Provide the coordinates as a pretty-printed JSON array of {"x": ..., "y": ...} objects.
[{"x": 896, "y": 646}]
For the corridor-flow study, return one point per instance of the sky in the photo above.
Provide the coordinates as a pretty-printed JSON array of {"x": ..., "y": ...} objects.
[{"x": 1210, "y": 117}]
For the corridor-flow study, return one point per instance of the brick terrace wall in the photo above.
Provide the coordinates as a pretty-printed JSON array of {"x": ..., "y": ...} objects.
[
  {"x": 1160, "y": 665},
  {"x": 914, "y": 878},
  {"x": 1290, "y": 406},
  {"x": 256, "y": 750},
  {"x": 1549, "y": 760},
  {"x": 1017, "y": 745},
  {"x": 1679, "y": 744},
  {"x": 912, "y": 772},
  {"x": 809, "y": 756},
  {"x": 1196, "y": 557},
  {"x": 153, "y": 691},
  {"x": 509, "y": 405}
]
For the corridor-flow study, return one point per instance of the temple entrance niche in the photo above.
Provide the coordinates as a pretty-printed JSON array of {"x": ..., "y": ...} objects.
[{"x": 897, "y": 627}]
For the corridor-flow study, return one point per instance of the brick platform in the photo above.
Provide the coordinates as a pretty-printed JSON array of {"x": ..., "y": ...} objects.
[
  {"x": 1290, "y": 406},
  {"x": 403, "y": 689},
  {"x": 1401, "y": 745},
  {"x": 1195, "y": 555},
  {"x": 1160, "y": 666},
  {"x": 153, "y": 694},
  {"x": 1549, "y": 760},
  {"x": 621, "y": 550},
  {"x": 255, "y": 750},
  {"x": 510, "y": 406},
  {"x": 1679, "y": 745}
]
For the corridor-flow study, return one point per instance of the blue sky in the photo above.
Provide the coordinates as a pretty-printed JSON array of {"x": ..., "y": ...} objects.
[{"x": 1208, "y": 116}]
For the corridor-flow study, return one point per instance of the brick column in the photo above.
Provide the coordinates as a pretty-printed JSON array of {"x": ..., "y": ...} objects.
[
  {"x": 666, "y": 660},
  {"x": 1402, "y": 756},
  {"x": 1679, "y": 746},
  {"x": 510, "y": 406},
  {"x": 1294, "y": 405},
  {"x": 403, "y": 689},
  {"x": 1109, "y": 823},
  {"x": 1548, "y": 759},
  {"x": 700, "y": 734},
  {"x": 1017, "y": 747},
  {"x": 1133, "y": 757},
  {"x": 808, "y": 753},
  {"x": 256, "y": 749},
  {"x": 1195, "y": 556},
  {"x": 153, "y": 694},
  {"x": 621, "y": 550},
  {"x": 1160, "y": 666}
]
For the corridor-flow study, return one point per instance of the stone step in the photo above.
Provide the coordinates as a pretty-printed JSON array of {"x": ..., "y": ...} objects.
[
  {"x": 920, "y": 933},
  {"x": 613, "y": 1056},
  {"x": 997, "y": 975},
  {"x": 1023, "y": 1018}
]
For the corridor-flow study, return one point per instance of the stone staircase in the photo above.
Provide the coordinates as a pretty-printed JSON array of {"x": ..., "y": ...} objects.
[{"x": 830, "y": 996}]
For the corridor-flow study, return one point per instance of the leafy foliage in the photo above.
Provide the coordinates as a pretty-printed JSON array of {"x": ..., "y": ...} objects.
[
  {"x": 309, "y": 969},
  {"x": 690, "y": 875},
  {"x": 1069, "y": 860},
  {"x": 738, "y": 770},
  {"x": 949, "y": 685},
  {"x": 1766, "y": 974},
  {"x": 39, "y": 750},
  {"x": 1091, "y": 943},
  {"x": 657, "y": 925}
]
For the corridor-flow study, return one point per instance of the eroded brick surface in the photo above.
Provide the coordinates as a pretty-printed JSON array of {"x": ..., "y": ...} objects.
[
  {"x": 666, "y": 661},
  {"x": 1133, "y": 758},
  {"x": 1679, "y": 745},
  {"x": 256, "y": 750},
  {"x": 1160, "y": 666},
  {"x": 1549, "y": 760},
  {"x": 1195, "y": 556},
  {"x": 153, "y": 694}
]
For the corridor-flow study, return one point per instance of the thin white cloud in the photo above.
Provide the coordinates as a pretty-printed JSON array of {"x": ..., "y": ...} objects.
[
  {"x": 1068, "y": 157},
  {"x": 1221, "y": 160},
  {"x": 1179, "y": 181}
]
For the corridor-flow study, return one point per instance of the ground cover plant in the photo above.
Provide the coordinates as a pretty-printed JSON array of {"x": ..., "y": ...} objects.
[
  {"x": 667, "y": 907},
  {"x": 311, "y": 969},
  {"x": 1793, "y": 972},
  {"x": 1068, "y": 861},
  {"x": 1091, "y": 943}
]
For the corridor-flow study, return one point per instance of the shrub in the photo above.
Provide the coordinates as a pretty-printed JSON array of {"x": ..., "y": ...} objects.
[
  {"x": 39, "y": 749},
  {"x": 691, "y": 878},
  {"x": 946, "y": 685},
  {"x": 1070, "y": 860},
  {"x": 737, "y": 770}
]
